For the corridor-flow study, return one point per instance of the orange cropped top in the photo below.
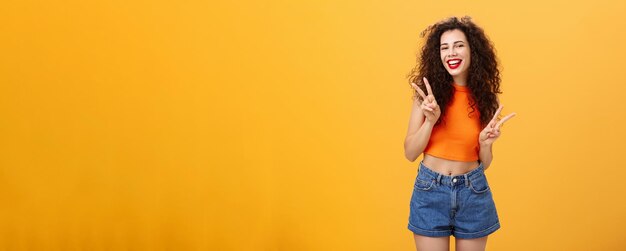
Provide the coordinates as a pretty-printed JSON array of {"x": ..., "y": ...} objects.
[{"x": 456, "y": 137}]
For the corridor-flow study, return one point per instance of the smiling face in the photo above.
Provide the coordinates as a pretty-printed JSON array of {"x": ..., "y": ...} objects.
[{"x": 455, "y": 54}]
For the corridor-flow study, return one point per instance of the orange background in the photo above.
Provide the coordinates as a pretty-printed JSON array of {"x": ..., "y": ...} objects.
[{"x": 279, "y": 125}]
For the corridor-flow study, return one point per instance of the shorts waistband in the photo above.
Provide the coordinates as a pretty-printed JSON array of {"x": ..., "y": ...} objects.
[{"x": 449, "y": 179}]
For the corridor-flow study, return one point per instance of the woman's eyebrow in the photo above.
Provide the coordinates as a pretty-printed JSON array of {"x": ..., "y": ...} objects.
[{"x": 453, "y": 43}]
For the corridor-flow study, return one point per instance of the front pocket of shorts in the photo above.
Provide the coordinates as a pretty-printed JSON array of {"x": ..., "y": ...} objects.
[
  {"x": 423, "y": 185},
  {"x": 480, "y": 184}
]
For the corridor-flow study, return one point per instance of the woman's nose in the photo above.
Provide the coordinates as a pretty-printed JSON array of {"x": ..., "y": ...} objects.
[{"x": 452, "y": 52}]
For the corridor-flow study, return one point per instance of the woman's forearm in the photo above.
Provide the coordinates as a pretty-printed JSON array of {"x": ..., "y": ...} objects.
[
  {"x": 415, "y": 143},
  {"x": 485, "y": 154}
]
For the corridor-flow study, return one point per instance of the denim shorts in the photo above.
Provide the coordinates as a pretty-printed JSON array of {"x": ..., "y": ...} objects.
[{"x": 460, "y": 205}]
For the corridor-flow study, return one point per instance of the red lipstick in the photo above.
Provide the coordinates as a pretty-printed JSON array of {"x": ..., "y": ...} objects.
[{"x": 454, "y": 63}]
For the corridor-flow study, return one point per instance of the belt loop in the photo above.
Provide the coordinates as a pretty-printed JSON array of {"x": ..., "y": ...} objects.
[
  {"x": 439, "y": 179},
  {"x": 466, "y": 180}
]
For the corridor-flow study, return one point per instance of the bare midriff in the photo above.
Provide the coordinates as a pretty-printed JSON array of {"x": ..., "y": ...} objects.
[{"x": 449, "y": 167}]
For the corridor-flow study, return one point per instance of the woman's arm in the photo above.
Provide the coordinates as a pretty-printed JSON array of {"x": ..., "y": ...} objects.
[
  {"x": 485, "y": 155},
  {"x": 418, "y": 133},
  {"x": 424, "y": 115},
  {"x": 489, "y": 135}
]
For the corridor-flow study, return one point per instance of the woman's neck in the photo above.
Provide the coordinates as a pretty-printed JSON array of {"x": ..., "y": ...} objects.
[{"x": 460, "y": 80}]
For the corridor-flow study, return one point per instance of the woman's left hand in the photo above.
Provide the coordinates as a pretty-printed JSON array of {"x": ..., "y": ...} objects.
[{"x": 492, "y": 130}]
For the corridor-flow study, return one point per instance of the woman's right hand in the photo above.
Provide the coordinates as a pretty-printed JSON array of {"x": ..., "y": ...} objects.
[{"x": 429, "y": 105}]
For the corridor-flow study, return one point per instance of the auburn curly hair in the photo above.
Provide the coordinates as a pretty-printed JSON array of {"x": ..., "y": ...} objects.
[{"x": 483, "y": 77}]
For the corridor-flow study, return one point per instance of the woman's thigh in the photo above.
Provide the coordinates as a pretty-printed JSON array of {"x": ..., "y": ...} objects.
[
  {"x": 425, "y": 243},
  {"x": 477, "y": 244}
]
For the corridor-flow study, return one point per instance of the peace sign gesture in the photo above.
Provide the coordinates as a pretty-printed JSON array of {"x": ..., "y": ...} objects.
[
  {"x": 429, "y": 105},
  {"x": 492, "y": 130}
]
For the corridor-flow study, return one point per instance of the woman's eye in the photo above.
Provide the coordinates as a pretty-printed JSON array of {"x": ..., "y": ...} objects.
[{"x": 444, "y": 48}]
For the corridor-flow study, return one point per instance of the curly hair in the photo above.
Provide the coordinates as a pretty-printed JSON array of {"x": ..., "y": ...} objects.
[{"x": 483, "y": 78}]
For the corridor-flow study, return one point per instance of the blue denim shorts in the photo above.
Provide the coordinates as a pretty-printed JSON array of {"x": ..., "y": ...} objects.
[{"x": 460, "y": 205}]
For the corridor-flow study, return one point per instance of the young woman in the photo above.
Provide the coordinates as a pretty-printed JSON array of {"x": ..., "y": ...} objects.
[{"x": 454, "y": 122}]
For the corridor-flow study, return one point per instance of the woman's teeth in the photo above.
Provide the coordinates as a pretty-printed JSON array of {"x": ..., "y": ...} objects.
[{"x": 453, "y": 64}]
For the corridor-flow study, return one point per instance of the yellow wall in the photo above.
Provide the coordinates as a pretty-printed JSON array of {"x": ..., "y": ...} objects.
[{"x": 279, "y": 125}]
